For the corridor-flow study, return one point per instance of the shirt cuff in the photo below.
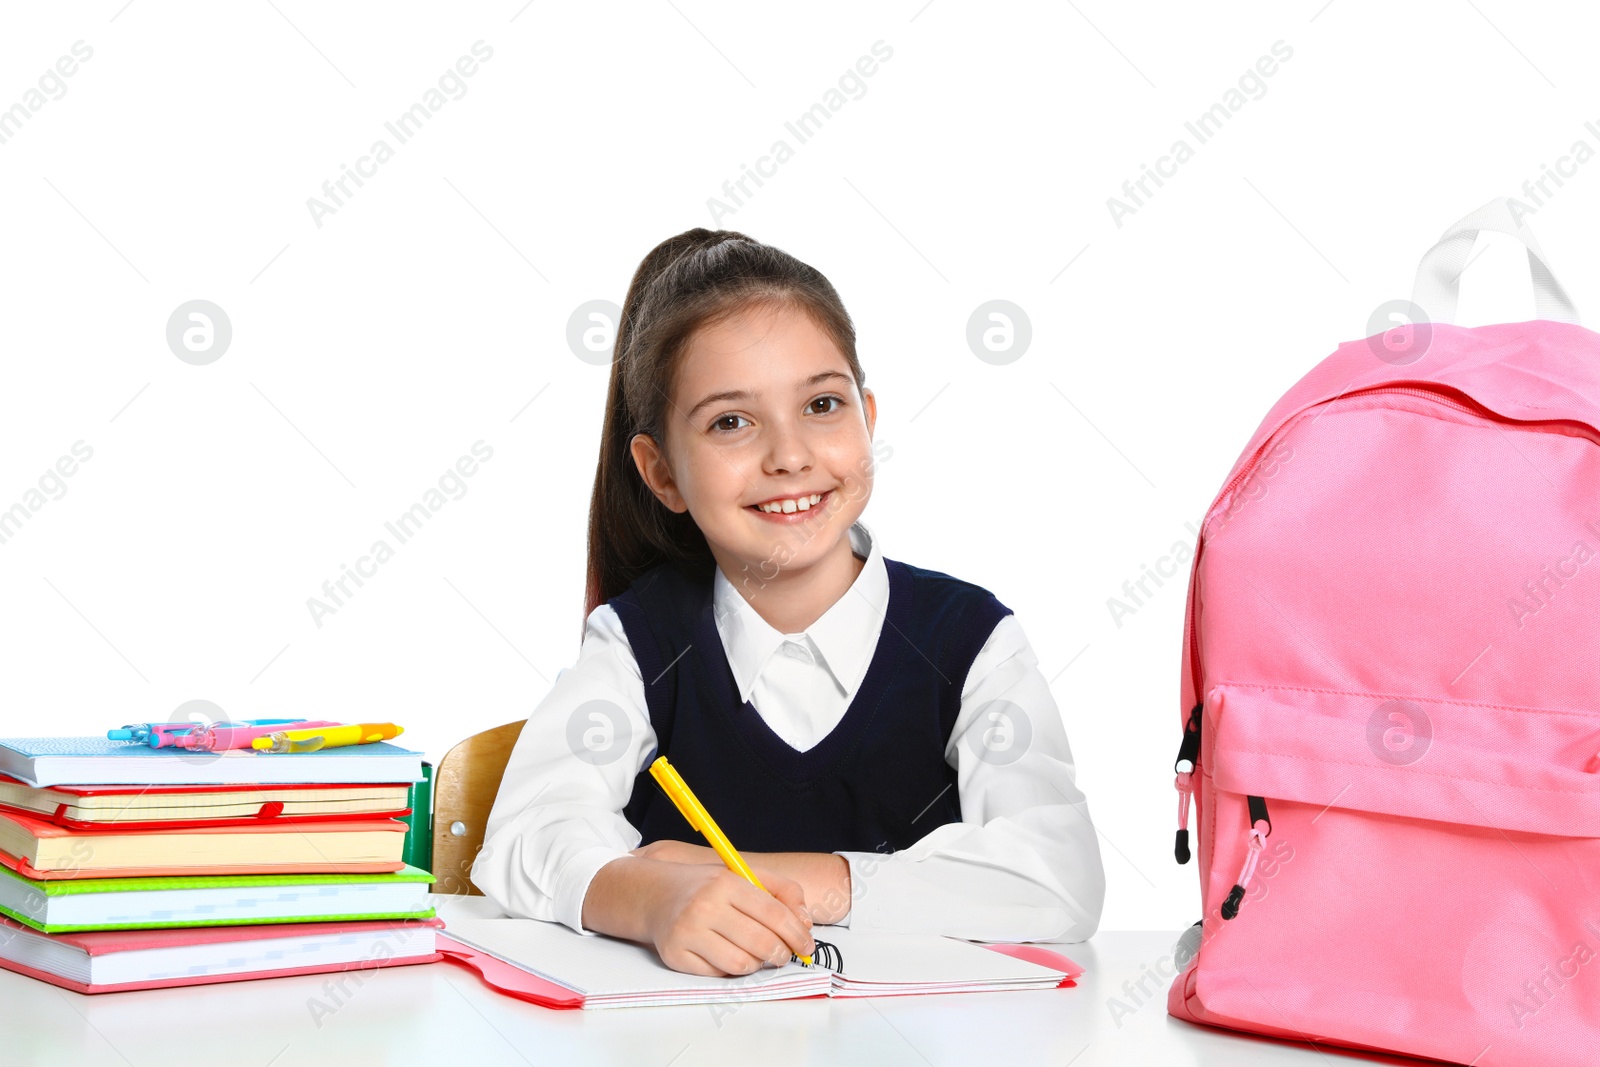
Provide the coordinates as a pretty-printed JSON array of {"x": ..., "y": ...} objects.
[
  {"x": 572, "y": 885},
  {"x": 894, "y": 894},
  {"x": 862, "y": 866}
]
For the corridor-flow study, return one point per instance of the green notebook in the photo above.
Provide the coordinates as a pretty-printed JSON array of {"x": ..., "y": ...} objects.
[{"x": 69, "y": 905}]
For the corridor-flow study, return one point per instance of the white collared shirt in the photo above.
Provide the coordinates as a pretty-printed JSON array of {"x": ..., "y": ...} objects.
[
  {"x": 801, "y": 684},
  {"x": 1022, "y": 865}
]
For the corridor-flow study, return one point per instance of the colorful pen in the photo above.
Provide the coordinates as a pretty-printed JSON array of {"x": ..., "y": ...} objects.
[
  {"x": 154, "y": 734},
  {"x": 331, "y": 737},
  {"x": 194, "y": 734},
  {"x": 677, "y": 789},
  {"x": 225, "y": 735}
]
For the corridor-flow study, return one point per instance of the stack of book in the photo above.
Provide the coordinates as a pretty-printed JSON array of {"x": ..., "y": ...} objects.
[{"x": 129, "y": 867}]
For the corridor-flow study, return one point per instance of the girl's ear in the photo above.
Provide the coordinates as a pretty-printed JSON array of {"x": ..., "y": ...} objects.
[
  {"x": 652, "y": 464},
  {"x": 869, "y": 405}
]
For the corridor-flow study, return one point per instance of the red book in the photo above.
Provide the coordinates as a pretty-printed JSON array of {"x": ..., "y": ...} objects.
[
  {"x": 152, "y": 807},
  {"x": 38, "y": 849}
]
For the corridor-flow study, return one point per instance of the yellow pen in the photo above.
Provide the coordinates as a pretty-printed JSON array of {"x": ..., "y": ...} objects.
[
  {"x": 326, "y": 737},
  {"x": 674, "y": 786}
]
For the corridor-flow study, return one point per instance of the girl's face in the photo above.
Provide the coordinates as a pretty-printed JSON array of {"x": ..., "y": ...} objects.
[{"x": 768, "y": 443}]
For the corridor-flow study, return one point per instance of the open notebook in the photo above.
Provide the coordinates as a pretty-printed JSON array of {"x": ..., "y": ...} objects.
[{"x": 601, "y": 972}]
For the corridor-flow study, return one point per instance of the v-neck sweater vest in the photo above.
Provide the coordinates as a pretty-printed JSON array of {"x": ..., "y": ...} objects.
[{"x": 877, "y": 782}]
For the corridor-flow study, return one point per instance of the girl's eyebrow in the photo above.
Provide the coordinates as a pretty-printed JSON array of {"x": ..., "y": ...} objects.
[{"x": 745, "y": 394}]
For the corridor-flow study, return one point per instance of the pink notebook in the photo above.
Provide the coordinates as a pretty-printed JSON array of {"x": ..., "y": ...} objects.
[{"x": 109, "y": 961}]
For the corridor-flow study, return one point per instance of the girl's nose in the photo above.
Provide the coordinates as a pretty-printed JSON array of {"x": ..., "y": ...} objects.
[{"x": 788, "y": 451}]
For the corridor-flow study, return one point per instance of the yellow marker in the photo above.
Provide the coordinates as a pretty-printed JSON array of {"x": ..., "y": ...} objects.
[
  {"x": 326, "y": 737},
  {"x": 674, "y": 786}
]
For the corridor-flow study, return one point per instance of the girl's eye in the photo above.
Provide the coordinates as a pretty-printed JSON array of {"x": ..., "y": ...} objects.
[{"x": 822, "y": 405}]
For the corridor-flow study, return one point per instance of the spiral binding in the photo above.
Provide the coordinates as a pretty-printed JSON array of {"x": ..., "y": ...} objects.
[{"x": 826, "y": 955}]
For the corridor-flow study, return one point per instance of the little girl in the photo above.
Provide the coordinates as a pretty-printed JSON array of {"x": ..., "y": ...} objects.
[{"x": 875, "y": 738}]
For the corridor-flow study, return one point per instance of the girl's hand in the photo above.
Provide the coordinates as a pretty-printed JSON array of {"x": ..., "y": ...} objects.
[
  {"x": 705, "y": 919},
  {"x": 677, "y": 852},
  {"x": 824, "y": 878}
]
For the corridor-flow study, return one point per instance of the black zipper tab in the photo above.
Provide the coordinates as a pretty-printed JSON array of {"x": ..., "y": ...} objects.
[{"x": 1230, "y": 907}]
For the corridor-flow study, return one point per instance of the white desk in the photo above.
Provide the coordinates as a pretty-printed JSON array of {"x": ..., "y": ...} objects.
[{"x": 441, "y": 1014}]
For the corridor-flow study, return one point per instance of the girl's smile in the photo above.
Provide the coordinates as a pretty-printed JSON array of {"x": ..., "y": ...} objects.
[{"x": 798, "y": 507}]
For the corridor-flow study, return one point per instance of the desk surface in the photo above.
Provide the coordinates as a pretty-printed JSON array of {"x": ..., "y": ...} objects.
[{"x": 441, "y": 1014}]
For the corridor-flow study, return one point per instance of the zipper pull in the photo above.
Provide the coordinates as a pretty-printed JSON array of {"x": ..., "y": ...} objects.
[
  {"x": 1260, "y": 827},
  {"x": 1188, "y": 755}
]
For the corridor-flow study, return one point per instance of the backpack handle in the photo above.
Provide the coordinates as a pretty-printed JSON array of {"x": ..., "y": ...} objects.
[{"x": 1438, "y": 283}]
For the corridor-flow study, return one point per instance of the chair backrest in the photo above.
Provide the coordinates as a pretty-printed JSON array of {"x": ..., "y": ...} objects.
[{"x": 464, "y": 789}]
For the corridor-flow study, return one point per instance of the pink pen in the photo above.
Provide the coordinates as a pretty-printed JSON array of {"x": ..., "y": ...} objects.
[{"x": 227, "y": 735}]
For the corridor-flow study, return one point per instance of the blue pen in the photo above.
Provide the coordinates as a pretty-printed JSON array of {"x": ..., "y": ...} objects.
[{"x": 148, "y": 732}]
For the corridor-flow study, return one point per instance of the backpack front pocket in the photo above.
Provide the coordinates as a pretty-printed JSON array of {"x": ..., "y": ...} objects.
[{"x": 1425, "y": 875}]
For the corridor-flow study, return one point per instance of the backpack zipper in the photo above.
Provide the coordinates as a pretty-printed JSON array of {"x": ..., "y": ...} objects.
[
  {"x": 1260, "y": 822},
  {"x": 1188, "y": 757},
  {"x": 1255, "y": 840}
]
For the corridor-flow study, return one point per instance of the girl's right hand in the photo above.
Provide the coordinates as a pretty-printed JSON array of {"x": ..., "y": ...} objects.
[
  {"x": 707, "y": 920},
  {"x": 701, "y": 919}
]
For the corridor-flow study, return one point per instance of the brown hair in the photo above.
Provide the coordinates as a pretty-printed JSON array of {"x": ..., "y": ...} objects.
[{"x": 693, "y": 280}]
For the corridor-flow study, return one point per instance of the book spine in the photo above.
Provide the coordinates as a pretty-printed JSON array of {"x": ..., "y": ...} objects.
[{"x": 418, "y": 851}]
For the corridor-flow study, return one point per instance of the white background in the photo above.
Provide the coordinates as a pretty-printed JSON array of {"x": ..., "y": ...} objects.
[{"x": 427, "y": 312}]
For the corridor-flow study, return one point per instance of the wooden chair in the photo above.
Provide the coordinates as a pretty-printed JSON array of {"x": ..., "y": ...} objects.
[{"x": 464, "y": 787}]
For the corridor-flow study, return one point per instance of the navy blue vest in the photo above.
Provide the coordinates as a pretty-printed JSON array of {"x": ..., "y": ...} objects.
[{"x": 877, "y": 783}]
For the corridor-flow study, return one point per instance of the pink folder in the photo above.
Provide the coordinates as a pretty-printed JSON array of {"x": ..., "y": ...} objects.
[
  {"x": 504, "y": 978},
  {"x": 101, "y": 942},
  {"x": 1044, "y": 957}
]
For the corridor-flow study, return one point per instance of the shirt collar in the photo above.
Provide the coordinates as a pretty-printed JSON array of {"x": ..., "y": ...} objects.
[{"x": 844, "y": 638}]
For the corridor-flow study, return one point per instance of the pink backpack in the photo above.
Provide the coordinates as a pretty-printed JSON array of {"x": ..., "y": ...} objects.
[{"x": 1391, "y": 694}]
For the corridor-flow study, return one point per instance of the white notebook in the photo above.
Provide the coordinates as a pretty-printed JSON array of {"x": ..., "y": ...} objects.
[
  {"x": 47, "y": 761},
  {"x": 615, "y": 974}
]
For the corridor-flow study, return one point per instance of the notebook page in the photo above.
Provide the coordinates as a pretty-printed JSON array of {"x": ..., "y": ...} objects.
[
  {"x": 605, "y": 969},
  {"x": 884, "y": 963}
]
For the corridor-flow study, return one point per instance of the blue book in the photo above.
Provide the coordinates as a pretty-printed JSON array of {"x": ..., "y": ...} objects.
[{"x": 45, "y": 761}]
